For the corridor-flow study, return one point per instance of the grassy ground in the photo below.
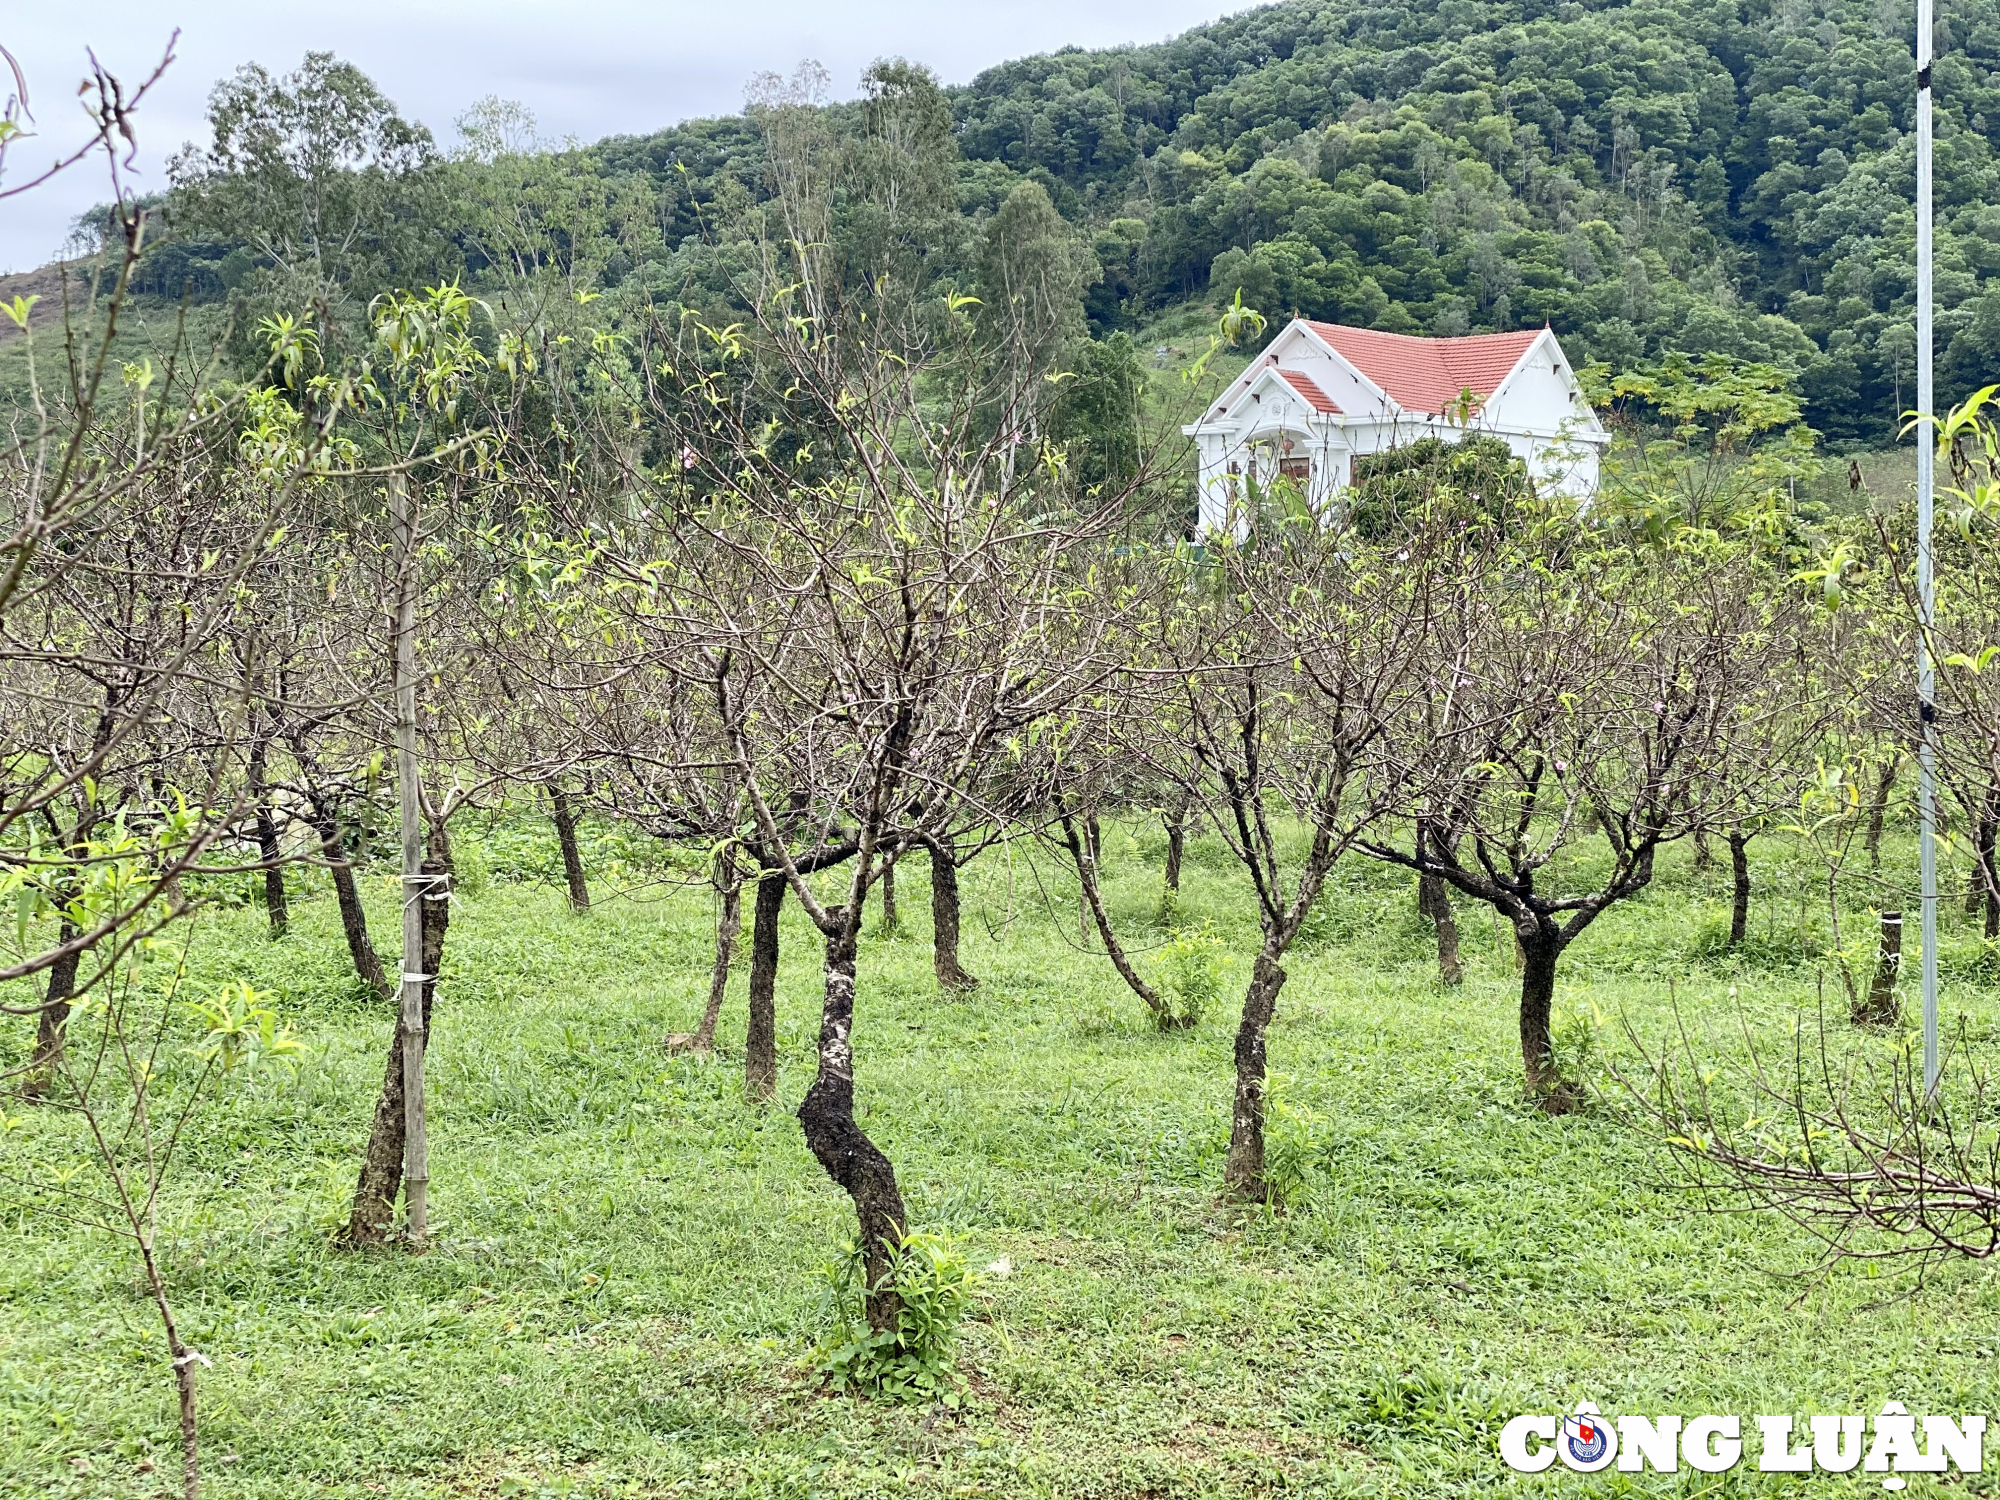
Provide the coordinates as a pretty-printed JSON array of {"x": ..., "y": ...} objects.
[
  {"x": 151, "y": 329},
  {"x": 625, "y": 1282}
]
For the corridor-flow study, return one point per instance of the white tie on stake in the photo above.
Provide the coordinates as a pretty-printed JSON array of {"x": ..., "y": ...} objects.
[{"x": 1926, "y": 583}]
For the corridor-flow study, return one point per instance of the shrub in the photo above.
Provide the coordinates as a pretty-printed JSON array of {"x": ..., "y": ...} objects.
[
  {"x": 1297, "y": 1140},
  {"x": 912, "y": 1361},
  {"x": 1576, "y": 1048},
  {"x": 1190, "y": 968}
]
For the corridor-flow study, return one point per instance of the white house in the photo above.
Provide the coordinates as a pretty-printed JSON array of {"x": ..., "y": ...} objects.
[{"x": 1321, "y": 394}]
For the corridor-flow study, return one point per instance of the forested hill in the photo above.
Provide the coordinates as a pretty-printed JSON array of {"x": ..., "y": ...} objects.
[
  {"x": 1702, "y": 175},
  {"x": 1708, "y": 175}
]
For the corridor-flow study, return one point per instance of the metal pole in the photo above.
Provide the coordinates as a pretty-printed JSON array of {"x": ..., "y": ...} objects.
[{"x": 1926, "y": 583}]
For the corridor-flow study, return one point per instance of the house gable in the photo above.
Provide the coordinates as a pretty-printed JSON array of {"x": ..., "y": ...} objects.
[
  {"x": 1542, "y": 395},
  {"x": 1268, "y": 392}
]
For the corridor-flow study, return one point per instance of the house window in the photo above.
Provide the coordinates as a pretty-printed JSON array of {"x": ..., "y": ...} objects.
[{"x": 1299, "y": 469}]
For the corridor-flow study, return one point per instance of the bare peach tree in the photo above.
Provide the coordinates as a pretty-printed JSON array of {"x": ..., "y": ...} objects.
[
  {"x": 1269, "y": 675},
  {"x": 874, "y": 632},
  {"x": 1836, "y": 1130},
  {"x": 138, "y": 501},
  {"x": 1581, "y": 691},
  {"x": 902, "y": 651}
]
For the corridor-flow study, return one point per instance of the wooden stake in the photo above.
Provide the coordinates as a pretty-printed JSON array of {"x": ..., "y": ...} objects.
[{"x": 416, "y": 1147}]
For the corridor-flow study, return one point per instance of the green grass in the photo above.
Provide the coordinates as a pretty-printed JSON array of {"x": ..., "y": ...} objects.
[
  {"x": 624, "y": 1288},
  {"x": 150, "y": 328}
]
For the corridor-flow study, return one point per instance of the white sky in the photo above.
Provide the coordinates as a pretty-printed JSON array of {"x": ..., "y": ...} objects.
[{"x": 586, "y": 68}]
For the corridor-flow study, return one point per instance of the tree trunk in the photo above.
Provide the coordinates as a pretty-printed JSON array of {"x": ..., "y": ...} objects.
[
  {"x": 1881, "y": 1006},
  {"x": 890, "y": 922},
  {"x": 382, "y": 1163},
  {"x": 1879, "y": 810},
  {"x": 760, "y": 1037},
  {"x": 52, "y": 1023},
  {"x": 1434, "y": 901},
  {"x": 565, "y": 820},
  {"x": 1704, "y": 857},
  {"x": 1541, "y": 946},
  {"x": 268, "y": 850},
  {"x": 728, "y": 923},
  {"x": 184, "y": 1362},
  {"x": 1082, "y": 903},
  {"x": 1739, "y": 873},
  {"x": 353, "y": 918},
  {"x": 1086, "y": 873},
  {"x": 842, "y": 1147},
  {"x": 951, "y": 975},
  {"x": 1975, "y": 878},
  {"x": 1989, "y": 878},
  {"x": 1176, "y": 822},
  {"x": 1243, "y": 1173}
]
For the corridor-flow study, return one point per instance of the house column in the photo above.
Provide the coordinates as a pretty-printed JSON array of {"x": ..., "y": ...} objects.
[
  {"x": 1325, "y": 478},
  {"x": 1212, "y": 484}
]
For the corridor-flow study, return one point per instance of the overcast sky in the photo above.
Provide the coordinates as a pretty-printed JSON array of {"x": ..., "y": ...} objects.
[{"x": 586, "y": 68}]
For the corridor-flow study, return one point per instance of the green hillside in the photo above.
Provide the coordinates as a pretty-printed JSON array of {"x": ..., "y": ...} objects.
[
  {"x": 1704, "y": 176},
  {"x": 1645, "y": 177}
]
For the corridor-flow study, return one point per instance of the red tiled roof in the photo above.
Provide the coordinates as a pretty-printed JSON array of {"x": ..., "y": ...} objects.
[
  {"x": 1426, "y": 375},
  {"x": 1315, "y": 397}
]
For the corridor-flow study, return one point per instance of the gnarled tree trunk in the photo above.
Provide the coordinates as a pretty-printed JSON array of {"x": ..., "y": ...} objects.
[
  {"x": 840, "y": 1144},
  {"x": 1879, "y": 809},
  {"x": 1243, "y": 1173},
  {"x": 564, "y": 817},
  {"x": 382, "y": 1164},
  {"x": 353, "y": 918},
  {"x": 1985, "y": 889},
  {"x": 1975, "y": 877},
  {"x": 1739, "y": 874},
  {"x": 1084, "y": 857},
  {"x": 891, "y": 923},
  {"x": 760, "y": 1037},
  {"x": 951, "y": 974},
  {"x": 52, "y": 1022},
  {"x": 1434, "y": 901},
  {"x": 1541, "y": 945},
  {"x": 1176, "y": 824},
  {"x": 1880, "y": 1007}
]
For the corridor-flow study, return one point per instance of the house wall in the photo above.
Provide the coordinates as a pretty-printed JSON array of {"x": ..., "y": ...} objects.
[
  {"x": 1547, "y": 424},
  {"x": 1558, "y": 467},
  {"x": 1248, "y": 449}
]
